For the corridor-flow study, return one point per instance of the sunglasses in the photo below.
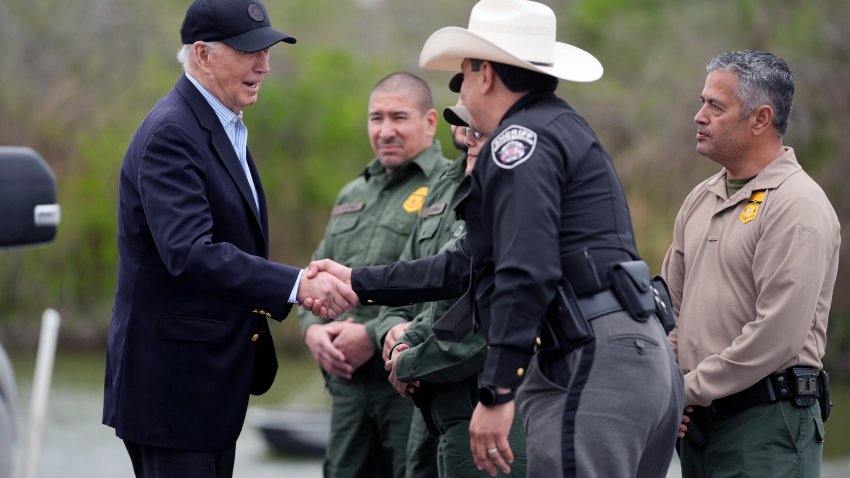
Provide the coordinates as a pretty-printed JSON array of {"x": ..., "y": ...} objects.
[{"x": 471, "y": 133}]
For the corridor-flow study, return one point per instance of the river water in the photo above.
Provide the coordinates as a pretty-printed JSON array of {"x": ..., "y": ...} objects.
[{"x": 76, "y": 445}]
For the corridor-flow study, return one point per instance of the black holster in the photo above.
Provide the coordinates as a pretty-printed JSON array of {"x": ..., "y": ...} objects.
[
  {"x": 564, "y": 327},
  {"x": 825, "y": 399},
  {"x": 422, "y": 398}
]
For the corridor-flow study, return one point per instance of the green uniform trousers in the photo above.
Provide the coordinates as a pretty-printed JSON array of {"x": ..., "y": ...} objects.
[
  {"x": 452, "y": 405},
  {"x": 421, "y": 449},
  {"x": 370, "y": 422},
  {"x": 770, "y": 440}
]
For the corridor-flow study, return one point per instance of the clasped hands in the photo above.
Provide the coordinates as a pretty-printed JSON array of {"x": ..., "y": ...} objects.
[{"x": 325, "y": 289}]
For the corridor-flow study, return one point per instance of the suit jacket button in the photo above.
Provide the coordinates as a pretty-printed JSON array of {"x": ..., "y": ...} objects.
[
  {"x": 520, "y": 372},
  {"x": 255, "y": 337}
]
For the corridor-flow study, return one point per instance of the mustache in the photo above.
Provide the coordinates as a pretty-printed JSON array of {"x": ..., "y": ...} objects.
[{"x": 389, "y": 142}]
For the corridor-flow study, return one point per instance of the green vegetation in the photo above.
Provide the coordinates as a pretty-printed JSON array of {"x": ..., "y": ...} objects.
[{"x": 77, "y": 77}]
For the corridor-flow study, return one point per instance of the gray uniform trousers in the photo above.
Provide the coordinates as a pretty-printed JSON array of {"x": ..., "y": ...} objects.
[{"x": 614, "y": 405}]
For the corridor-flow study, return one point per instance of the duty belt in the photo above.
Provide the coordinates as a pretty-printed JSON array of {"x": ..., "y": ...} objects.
[
  {"x": 798, "y": 383},
  {"x": 599, "y": 304}
]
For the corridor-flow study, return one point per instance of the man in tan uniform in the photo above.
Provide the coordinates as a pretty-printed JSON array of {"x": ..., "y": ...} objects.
[{"x": 751, "y": 272}]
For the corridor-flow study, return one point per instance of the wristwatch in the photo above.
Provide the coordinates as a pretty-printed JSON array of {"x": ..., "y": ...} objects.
[{"x": 488, "y": 396}]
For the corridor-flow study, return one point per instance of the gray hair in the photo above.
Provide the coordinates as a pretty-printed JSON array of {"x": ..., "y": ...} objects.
[
  {"x": 763, "y": 79},
  {"x": 187, "y": 59}
]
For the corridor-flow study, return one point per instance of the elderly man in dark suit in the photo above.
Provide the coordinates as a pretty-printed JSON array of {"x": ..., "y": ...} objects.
[{"x": 189, "y": 338}]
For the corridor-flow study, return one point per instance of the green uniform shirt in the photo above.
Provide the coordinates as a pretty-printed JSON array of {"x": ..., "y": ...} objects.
[
  {"x": 438, "y": 229},
  {"x": 372, "y": 219}
]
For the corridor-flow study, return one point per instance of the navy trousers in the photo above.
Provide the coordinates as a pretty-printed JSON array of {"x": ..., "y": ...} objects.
[{"x": 155, "y": 462}]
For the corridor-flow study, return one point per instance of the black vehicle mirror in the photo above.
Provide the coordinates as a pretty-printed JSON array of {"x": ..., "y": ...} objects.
[{"x": 29, "y": 213}]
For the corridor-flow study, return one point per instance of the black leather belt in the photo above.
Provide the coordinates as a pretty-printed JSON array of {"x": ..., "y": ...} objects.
[
  {"x": 773, "y": 388},
  {"x": 599, "y": 304}
]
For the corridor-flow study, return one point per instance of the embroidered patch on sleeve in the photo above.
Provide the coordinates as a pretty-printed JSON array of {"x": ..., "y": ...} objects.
[
  {"x": 513, "y": 146},
  {"x": 751, "y": 211},
  {"x": 414, "y": 202}
]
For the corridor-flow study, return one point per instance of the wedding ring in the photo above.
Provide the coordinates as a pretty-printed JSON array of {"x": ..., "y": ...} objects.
[{"x": 493, "y": 450}]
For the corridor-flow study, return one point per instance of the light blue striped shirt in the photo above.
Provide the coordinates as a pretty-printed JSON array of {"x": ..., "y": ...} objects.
[
  {"x": 235, "y": 129},
  {"x": 238, "y": 135}
]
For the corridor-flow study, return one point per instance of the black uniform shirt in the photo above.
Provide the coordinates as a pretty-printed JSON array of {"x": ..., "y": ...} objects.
[{"x": 542, "y": 188}]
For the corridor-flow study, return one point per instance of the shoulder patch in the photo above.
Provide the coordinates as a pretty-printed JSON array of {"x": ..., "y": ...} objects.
[
  {"x": 414, "y": 202},
  {"x": 513, "y": 146}
]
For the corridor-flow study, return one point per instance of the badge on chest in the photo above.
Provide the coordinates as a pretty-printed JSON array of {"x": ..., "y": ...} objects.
[{"x": 752, "y": 209}]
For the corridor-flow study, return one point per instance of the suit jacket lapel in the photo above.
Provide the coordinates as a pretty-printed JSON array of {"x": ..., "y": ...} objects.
[
  {"x": 209, "y": 121},
  {"x": 261, "y": 198}
]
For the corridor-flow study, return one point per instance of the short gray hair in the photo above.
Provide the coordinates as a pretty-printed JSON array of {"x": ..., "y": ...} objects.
[
  {"x": 763, "y": 79},
  {"x": 185, "y": 56}
]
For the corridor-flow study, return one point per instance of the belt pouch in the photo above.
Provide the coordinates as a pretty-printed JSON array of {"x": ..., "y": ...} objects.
[
  {"x": 805, "y": 386},
  {"x": 564, "y": 326},
  {"x": 632, "y": 284}
]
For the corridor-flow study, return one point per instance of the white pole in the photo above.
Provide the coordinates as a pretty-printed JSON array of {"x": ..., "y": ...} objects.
[{"x": 41, "y": 388}]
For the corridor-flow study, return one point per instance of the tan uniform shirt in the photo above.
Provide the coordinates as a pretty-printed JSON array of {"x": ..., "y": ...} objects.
[{"x": 751, "y": 279}]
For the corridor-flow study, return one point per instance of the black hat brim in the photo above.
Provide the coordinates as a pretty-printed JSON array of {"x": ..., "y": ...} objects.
[
  {"x": 258, "y": 39},
  {"x": 456, "y": 115}
]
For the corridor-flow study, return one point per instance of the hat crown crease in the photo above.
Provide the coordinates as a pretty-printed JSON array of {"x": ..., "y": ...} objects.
[{"x": 525, "y": 30}]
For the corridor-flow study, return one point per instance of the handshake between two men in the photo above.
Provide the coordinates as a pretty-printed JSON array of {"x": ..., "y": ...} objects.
[
  {"x": 325, "y": 289},
  {"x": 328, "y": 294}
]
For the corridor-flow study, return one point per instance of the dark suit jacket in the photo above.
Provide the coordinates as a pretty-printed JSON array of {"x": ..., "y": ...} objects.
[{"x": 189, "y": 338}]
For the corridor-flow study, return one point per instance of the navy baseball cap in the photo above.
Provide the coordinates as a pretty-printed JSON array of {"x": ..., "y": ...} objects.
[{"x": 241, "y": 24}]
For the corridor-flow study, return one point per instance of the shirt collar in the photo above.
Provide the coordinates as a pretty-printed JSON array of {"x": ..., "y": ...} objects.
[
  {"x": 427, "y": 160},
  {"x": 224, "y": 114},
  {"x": 770, "y": 177}
]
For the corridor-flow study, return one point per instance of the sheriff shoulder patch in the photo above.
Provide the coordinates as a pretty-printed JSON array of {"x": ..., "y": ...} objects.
[{"x": 513, "y": 146}]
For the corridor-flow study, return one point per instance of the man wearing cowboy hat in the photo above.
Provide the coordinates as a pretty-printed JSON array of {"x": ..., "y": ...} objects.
[{"x": 553, "y": 262}]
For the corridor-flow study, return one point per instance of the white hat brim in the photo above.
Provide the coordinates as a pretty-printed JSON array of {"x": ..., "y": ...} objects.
[{"x": 446, "y": 48}]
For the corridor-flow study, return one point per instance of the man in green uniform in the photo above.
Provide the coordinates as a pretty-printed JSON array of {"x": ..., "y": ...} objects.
[
  {"x": 442, "y": 376},
  {"x": 370, "y": 223}
]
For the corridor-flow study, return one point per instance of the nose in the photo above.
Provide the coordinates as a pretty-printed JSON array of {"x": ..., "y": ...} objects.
[
  {"x": 701, "y": 117},
  {"x": 387, "y": 129},
  {"x": 262, "y": 62}
]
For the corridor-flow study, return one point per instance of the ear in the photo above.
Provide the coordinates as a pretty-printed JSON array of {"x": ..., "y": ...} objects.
[
  {"x": 488, "y": 77},
  {"x": 431, "y": 122},
  {"x": 761, "y": 120},
  {"x": 201, "y": 53}
]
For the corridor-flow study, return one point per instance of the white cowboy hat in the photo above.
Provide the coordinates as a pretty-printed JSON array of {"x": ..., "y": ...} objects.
[{"x": 514, "y": 32}]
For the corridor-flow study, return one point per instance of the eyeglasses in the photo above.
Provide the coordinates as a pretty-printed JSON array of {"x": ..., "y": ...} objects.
[{"x": 471, "y": 133}]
